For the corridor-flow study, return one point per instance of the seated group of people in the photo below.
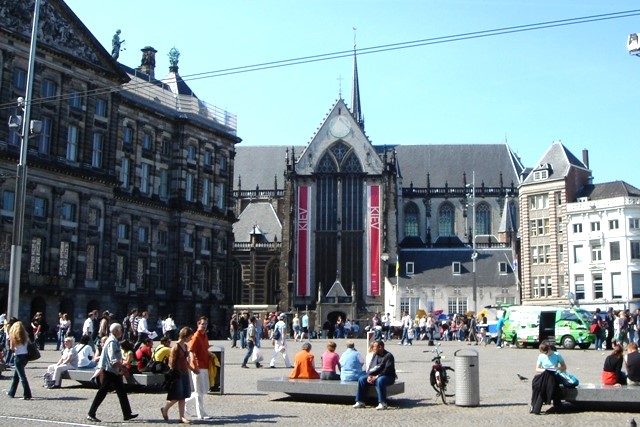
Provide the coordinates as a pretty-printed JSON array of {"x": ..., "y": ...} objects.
[
  {"x": 379, "y": 369},
  {"x": 83, "y": 356},
  {"x": 612, "y": 373},
  {"x": 349, "y": 364}
]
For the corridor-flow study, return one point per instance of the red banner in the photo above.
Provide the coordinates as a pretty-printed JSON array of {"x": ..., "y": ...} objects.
[
  {"x": 373, "y": 223},
  {"x": 304, "y": 242}
]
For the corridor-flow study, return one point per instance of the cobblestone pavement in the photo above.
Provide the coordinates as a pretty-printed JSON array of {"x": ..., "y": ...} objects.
[{"x": 503, "y": 397}]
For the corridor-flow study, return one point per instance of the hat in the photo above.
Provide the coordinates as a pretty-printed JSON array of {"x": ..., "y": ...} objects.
[{"x": 283, "y": 316}]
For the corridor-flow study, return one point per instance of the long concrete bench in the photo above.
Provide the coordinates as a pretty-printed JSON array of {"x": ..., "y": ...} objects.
[
  {"x": 146, "y": 379},
  {"x": 322, "y": 390},
  {"x": 606, "y": 394}
]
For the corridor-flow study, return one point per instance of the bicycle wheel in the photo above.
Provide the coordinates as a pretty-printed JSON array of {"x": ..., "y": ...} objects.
[
  {"x": 450, "y": 389},
  {"x": 442, "y": 392}
]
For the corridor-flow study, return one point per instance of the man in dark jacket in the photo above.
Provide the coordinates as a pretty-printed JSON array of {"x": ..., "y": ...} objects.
[{"x": 381, "y": 373}]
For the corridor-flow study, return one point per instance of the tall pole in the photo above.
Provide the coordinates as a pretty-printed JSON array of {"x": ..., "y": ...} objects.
[
  {"x": 21, "y": 180},
  {"x": 474, "y": 254}
]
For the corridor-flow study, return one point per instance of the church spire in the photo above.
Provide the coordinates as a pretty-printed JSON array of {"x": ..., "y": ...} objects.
[{"x": 355, "y": 94}]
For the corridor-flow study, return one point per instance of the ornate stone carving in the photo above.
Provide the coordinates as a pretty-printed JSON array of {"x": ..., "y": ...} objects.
[{"x": 53, "y": 29}]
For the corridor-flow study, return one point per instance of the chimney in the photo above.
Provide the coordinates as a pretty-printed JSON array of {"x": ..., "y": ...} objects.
[
  {"x": 585, "y": 157},
  {"x": 148, "y": 64}
]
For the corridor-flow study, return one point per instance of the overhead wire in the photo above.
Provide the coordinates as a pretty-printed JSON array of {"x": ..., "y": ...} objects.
[{"x": 349, "y": 53}]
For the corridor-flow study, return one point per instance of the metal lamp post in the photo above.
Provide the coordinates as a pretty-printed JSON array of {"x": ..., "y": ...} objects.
[
  {"x": 474, "y": 253},
  {"x": 21, "y": 178}
]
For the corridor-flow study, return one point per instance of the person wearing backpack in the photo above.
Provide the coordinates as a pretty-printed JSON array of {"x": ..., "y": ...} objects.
[{"x": 280, "y": 342}]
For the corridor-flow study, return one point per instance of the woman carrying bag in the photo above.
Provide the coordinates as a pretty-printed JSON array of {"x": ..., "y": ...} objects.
[
  {"x": 19, "y": 341},
  {"x": 180, "y": 385}
]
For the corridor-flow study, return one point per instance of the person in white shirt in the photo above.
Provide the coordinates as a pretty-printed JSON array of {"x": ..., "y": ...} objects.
[
  {"x": 280, "y": 342},
  {"x": 386, "y": 326},
  {"x": 68, "y": 360},
  {"x": 406, "y": 324},
  {"x": 85, "y": 354},
  {"x": 143, "y": 328},
  {"x": 168, "y": 326},
  {"x": 87, "y": 327}
]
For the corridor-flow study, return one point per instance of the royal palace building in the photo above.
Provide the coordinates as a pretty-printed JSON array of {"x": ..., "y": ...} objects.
[{"x": 129, "y": 200}]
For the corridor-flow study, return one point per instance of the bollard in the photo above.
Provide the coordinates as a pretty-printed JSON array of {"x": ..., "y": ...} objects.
[{"x": 467, "y": 378}]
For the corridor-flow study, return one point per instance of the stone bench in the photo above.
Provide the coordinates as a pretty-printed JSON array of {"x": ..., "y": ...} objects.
[
  {"x": 595, "y": 394},
  {"x": 322, "y": 390},
  {"x": 145, "y": 379}
]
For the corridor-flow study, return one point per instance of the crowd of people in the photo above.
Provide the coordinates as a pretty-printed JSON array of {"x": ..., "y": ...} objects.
[
  {"x": 114, "y": 351},
  {"x": 117, "y": 350}
]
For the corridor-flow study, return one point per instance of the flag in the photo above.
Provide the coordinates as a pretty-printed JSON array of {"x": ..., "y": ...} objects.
[{"x": 397, "y": 267}]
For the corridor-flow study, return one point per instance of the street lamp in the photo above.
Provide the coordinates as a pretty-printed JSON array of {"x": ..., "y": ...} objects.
[
  {"x": 633, "y": 44},
  {"x": 21, "y": 176},
  {"x": 474, "y": 254}
]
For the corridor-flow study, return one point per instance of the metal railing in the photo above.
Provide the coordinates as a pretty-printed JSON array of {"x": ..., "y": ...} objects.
[{"x": 181, "y": 102}]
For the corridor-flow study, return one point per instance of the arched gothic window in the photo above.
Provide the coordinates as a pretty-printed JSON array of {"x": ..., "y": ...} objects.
[
  {"x": 411, "y": 227},
  {"x": 483, "y": 219},
  {"x": 446, "y": 220}
]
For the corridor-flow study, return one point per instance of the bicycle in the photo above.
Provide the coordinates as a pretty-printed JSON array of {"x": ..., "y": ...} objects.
[{"x": 442, "y": 378}]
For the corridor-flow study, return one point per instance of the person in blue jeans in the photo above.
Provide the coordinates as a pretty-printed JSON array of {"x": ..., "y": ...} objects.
[
  {"x": 381, "y": 374},
  {"x": 19, "y": 340},
  {"x": 251, "y": 343}
]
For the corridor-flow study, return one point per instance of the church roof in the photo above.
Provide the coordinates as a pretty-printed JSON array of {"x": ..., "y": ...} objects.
[
  {"x": 257, "y": 218},
  {"x": 260, "y": 166},
  {"x": 444, "y": 163}
]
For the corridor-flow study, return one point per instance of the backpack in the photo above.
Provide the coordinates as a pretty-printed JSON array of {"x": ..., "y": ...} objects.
[{"x": 277, "y": 334}]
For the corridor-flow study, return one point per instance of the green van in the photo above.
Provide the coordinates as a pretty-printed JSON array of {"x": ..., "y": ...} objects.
[{"x": 529, "y": 325}]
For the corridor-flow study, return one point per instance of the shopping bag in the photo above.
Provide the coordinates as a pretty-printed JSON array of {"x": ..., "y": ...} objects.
[
  {"x": 256, "y": 355},
  {"x": 566, "y": 379}
]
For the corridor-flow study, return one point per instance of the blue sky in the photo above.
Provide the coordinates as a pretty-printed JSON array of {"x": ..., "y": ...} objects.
[{"x": 574, "y": 83}]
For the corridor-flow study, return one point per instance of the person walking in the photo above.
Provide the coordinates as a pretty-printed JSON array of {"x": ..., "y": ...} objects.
[
  {"x": 199, "y": 359},
  {"x": 110, "y": 372},
  {"x": 252, "y": 334},
  {"x": 305, "y": 326},
  {"x": 279, "y": 339},
  {"x": 180, "y": 387},
  {"x": 19, "y": 339},
  {"x": 233, "y": 330},
  {"x": 499, "y": 328},
  {"x": 406, "y": 324}
]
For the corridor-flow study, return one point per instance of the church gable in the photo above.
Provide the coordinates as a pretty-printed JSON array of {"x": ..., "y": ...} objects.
[
  {"x": 59, "y": 29},
  {"x": 339, "y": 146}
]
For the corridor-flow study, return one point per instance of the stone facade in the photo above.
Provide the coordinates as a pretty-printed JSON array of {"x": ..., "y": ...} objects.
[{"x": 129, "y": 200}]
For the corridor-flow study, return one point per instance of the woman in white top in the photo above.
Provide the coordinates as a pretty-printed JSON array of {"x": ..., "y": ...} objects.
[
  {"x": 68, "y": 360},
  {"x": 86, "y": 359},
  {"x": 19, "y": 340}
]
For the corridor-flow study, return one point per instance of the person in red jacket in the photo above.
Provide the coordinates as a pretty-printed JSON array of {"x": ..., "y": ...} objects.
[
  {"x": 144, "y": 354},
  {"x": 199, "y": 359}
]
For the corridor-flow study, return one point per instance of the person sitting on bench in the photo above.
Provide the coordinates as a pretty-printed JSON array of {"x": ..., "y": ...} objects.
[{"x": 303, "y": 366}]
